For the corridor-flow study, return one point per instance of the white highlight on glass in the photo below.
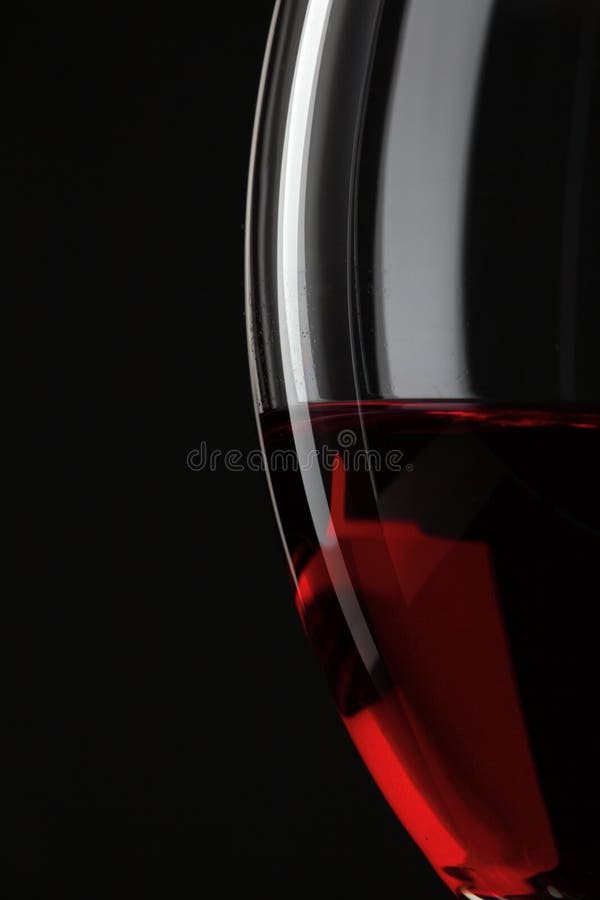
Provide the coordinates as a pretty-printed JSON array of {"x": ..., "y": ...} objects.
[
  {"x": 293, "y": 323},
  {"x": 293, "y": 326}
]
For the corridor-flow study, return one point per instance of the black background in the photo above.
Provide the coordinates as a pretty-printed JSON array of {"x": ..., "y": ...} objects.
[{"x": 168, "y": 723}]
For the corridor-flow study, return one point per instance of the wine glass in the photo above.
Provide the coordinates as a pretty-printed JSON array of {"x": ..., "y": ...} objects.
[{"x": 423, "y": 307}]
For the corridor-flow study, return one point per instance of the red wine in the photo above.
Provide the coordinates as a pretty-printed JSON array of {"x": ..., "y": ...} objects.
[{"x": 446, "y": 562}]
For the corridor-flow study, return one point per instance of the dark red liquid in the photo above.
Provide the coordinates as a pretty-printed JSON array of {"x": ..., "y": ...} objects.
[{"x": 451, "y": 593}]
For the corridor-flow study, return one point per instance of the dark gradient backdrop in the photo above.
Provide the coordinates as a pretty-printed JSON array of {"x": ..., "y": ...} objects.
[{"x": 167, "y": 722}]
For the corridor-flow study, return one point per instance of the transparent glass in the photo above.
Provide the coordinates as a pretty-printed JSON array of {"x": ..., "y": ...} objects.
[{"x": 423, "y": 309}]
